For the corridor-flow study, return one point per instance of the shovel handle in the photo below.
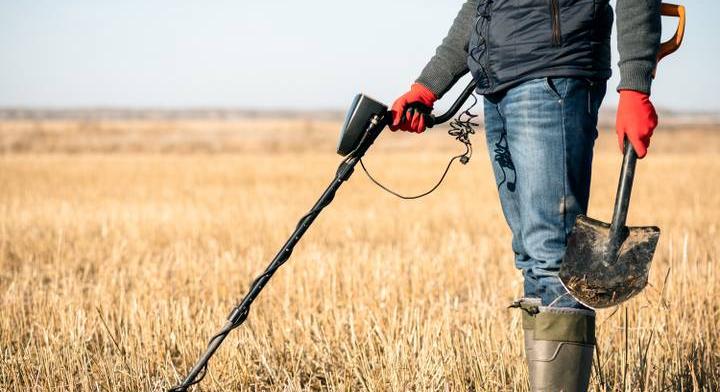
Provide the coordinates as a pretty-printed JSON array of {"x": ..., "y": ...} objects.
[
  {"x": 673, "y": 43},
  {"x": 627, "y": 174},
  {"x": 670, "y": 46},
  {"x": 622, "y": 198}
]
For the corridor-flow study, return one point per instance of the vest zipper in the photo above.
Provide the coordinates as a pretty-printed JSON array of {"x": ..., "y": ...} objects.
[
  {"x": 589, "y": 102},
  {"x": 555, "y": 18}
]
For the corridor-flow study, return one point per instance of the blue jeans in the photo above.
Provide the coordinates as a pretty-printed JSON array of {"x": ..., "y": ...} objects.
[{"x": 540, "y": 136}]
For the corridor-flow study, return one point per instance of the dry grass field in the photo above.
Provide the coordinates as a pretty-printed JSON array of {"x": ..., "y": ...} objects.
[{"x": 124, "y": 245}]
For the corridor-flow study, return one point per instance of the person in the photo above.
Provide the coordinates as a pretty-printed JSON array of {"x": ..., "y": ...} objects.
[{"x": 542, "y": 67}]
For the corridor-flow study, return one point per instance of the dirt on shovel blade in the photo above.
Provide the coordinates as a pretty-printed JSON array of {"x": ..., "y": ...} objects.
[{"x": 594, "y": 281}]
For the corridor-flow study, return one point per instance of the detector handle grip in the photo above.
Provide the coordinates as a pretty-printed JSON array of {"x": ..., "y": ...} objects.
[{"x": 432, "y": 120}]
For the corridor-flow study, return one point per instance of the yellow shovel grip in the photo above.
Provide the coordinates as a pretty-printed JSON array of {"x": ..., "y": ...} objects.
[{"x": 673, "y": 43}]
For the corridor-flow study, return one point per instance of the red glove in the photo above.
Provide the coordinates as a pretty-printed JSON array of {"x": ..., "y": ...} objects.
[
  {"x": 418, "y": 94},
  {"x": 636, "y": 119}
]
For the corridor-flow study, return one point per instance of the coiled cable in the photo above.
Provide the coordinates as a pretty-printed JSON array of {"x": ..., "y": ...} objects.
[{"x": 460, "y": 128}]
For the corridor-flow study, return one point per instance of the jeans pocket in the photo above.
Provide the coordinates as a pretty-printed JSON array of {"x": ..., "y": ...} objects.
[{"x": 555, "y": 87}]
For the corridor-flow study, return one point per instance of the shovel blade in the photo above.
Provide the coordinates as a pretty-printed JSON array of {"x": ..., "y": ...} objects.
[{"x": 597, "y": 282}]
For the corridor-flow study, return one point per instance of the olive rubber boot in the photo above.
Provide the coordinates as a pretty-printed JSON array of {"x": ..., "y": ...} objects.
[
  {"x": 530, "y": 307},
  {"x": 563, "y": 349}
]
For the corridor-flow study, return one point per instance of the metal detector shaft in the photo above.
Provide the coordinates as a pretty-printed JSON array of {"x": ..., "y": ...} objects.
[{"x": 240, "y": 313}]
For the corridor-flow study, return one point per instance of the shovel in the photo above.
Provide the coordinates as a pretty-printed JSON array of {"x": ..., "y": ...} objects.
[{"x": 607, "y": 264}]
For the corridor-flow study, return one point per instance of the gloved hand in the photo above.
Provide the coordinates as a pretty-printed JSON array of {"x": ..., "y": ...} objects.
[
  {"x": 636, "y": 119},
  {"x": 418, "y": 94}
]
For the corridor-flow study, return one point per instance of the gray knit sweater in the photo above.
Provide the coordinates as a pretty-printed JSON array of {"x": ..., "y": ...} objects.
[{"x": 638, "y": 29}]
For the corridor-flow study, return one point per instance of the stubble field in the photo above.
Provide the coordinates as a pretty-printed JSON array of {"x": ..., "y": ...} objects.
[{"x": 123, "y": 246}]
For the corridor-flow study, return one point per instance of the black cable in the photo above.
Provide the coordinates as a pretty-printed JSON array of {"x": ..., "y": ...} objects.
[
  {"x": 460, "y": 128},
  {"x": 386, "y": 189},
  {"x": 504, "y": 160}
]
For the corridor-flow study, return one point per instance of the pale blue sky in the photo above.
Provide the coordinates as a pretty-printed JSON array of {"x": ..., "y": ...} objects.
[{"x": 260, "y": 54}]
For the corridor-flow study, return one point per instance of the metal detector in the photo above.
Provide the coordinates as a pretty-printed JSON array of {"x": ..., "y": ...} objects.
[{"x": 365, "y": 120}]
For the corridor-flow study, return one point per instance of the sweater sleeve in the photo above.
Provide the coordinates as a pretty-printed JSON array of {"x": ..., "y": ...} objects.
[
  {"x": 638, "y": 29},
  {"x": 450, "y": 60}
]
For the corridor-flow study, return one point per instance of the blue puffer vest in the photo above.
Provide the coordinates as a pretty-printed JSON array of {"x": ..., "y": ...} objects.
[{"x": 516, "y": 40}]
